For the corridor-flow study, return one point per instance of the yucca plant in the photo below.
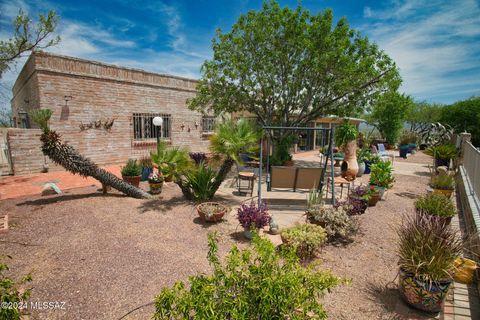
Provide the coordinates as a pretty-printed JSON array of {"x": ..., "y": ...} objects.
[
  {"x": 428, "y": 248},
  {"x": 200, "y": 181},
  {"x": 66, "y": 156},
  {"x": 435, "y": 204},
  {"x": 444, "y": 151}
]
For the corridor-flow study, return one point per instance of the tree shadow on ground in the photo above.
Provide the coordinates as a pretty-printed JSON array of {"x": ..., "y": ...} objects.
[
  {"x": 388, "y": 297},
  {"x": 409, "y": 195},
  {"x": 162, "y": 205},
  {"x": 422, "y": 173},
  {"x": 67, "y": 197},
  {"x": 238, "y": 236},
  {"x": 206, "y": 224}
]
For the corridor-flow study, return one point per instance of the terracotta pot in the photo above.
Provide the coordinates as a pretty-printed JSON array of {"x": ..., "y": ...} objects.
[
  {"x": 217, "y": 216},
  {"x": 423, "y": 295},
  {"x": 350, "y": 164},
  {"x": 373, "y": 200},
  {"x": 133, "y": 180}
]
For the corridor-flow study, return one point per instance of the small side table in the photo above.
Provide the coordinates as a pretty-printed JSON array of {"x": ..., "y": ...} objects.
[{"x": 246, "y": 176}]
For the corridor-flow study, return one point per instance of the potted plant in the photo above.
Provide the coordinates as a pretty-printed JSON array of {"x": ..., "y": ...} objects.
[
  {"x": 443, "y": 184},
  {"x": 357, "y": 201},
  {"x": 374, "y": 197},
  {"x": 404, "y": 146},
  {"x": 252, "y": 216},
  {"x": 282, "y": 156},
  {"x": 370, "y": 159},
  {"x": 436, "y": 205},
  {"x": 362, "y": 156},
  {"x": 443, "y": 154},
  {"x": 132, "y": 172},
  {"x": 155, "y": 181},
  {"x": 305, "y": 238},
  {"x": 427, "y": 252},
  {"x": 346, "y": 138},
  {"x": 381, "y": 177},
  {"x": 211, "y": 211},
  {"x": 335, "y": 220}
]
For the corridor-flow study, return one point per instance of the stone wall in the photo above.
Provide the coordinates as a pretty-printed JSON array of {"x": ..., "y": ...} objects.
[{"x": 81, "y": 92}]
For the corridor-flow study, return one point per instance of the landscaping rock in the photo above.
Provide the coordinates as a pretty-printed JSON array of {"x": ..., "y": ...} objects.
[
  {"x": 442, "y": 171},
  {"x": 50, "y": 188}
]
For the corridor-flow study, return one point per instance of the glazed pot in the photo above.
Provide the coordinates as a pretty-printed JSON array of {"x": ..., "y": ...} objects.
[
  {"x": 156, "y": 188},
  {"x": 442, "y": 163},
  {"x": 361, "y": 168},
  {"x": 146, "y": 171},
  {"x": 204, "y": 211},
  {"x": 403, "y": 149},
  {"x": 247, "y": 233},
  {"x": 133, "y": 180},
  {"x": 367, "y": 166},
  {"x": 423, "y": 295},
  {"x": 350, "y": 164}
]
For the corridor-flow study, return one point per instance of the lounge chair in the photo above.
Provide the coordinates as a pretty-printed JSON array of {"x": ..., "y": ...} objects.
[{"x": 384, "y": 154}]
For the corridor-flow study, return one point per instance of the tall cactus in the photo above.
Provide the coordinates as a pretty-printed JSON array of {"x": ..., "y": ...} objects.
[{"x": 66, "y": 156}]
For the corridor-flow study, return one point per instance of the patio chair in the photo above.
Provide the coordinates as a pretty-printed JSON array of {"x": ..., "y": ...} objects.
[
  {"x": 341, "y": 182},
  {"x": 384, "y": 154}
]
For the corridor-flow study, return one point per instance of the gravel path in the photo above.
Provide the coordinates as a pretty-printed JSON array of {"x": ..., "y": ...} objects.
[{"x": 106, "y": 255}]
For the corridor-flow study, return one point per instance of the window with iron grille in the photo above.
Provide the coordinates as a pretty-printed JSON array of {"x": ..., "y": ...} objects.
[
  {"x": 143, "y": 128},
  {"x": 208, "y": 124}
]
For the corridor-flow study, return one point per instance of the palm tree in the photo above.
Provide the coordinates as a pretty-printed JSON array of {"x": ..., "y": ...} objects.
[
  {"x": 66, "y": 156},
  {"x": 229, "y": 141}
]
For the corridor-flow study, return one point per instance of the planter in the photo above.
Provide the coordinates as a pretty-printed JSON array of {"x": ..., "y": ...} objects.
[
  {"x": 367, "y": 166},
  {"x": 465, "y": 270},
  {"x": 156, "y": 188},
  {"x": 446, "y": 192},
  {"x": 442, "y": 163},
  {"x": 361, "y": 168},
  {"x": 133, "y": 180},
  {"x": 412, "y": 147},
  {"x": 211, "y": 211},
  {"x": 350, "y": 163},
  {"x": 146, "y": 172},
  {"x": 381, "y": 190},
  {"x": 372, "y": 202},
  {"x": 403, "y": 149},
  {"x": 248, "y": 234},
  {"x": 423, "y": 295}
]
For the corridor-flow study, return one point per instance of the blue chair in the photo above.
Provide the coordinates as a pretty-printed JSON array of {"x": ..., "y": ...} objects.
[{"x": 382, "y": 153}]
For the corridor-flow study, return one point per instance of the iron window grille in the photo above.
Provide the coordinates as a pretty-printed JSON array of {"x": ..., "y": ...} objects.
[
  {"x": 208, "y": 124},
  {"x": 144, "y": 130}
]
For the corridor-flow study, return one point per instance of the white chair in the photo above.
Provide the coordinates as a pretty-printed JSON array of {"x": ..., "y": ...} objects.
[{"x": 384, "y": 154}]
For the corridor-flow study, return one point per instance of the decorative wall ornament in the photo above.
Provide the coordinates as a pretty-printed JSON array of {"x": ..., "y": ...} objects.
[{"x": 98, "y": 124}]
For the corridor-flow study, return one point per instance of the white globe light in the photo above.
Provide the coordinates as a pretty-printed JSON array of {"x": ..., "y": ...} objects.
[{"x": 157, "y": 121}]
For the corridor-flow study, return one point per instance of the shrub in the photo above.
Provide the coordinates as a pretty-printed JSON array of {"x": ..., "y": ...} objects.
[
  {"x": 444, "y": 182},
  {"x": 428, "y": 248},
  {"x": 381, "y": 174},
  {"x": 352, "y": 206},
  {"x": 304, "y": 238},
  {"x": 314, "y": 198},
  {"x": 335, "y": 221},
  {"x": 345, "y": 133},
  {"x": 201, "y": 182},
  {"x": 11, "y": 293},
  {"x": 444, "y": 151},
  {"x": 435, "y": 204},
  {"x": 256, "y": 283},
  {"x": 252, "y": 216},
  {"x": 198, "y": 157},
  {"x": 131, "y": 169}
]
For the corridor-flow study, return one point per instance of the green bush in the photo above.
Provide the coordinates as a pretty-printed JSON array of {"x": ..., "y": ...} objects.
[
  {"x": 345, "y": 133},
  {"x": 11, "y": 293},
  {"x": 256, "y": 283},
  {"x": 304, "y": 238},
  {"x": 336, "y": 221},
  {"x": 381, "y": 174},
  {"x": 444, "y": 151},
  {"x": 201, "y": 182},
  {"x": 435, "y": 204},
  {"x": 131, "y": 169},
  {"x": 444, "y": 182}
]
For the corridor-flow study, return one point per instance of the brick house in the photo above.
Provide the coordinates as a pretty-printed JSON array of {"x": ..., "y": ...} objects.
[{"x": 103, "y": 110}]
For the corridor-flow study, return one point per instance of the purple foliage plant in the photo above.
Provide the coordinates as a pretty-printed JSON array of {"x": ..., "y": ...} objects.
[{"x": 252, "y": 215}]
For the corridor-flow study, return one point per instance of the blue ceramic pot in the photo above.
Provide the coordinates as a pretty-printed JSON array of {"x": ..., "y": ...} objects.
[
  {"x": 146, "y": 171},
  {"x": 367, "y": 167},
  {"x": 404, "y": 150}
]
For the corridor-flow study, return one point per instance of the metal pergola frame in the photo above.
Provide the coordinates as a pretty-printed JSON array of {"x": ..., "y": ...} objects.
[{"x": 294, "y": 129}]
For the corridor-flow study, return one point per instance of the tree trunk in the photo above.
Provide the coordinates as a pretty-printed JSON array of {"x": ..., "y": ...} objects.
[
  {"x": 222, "y": 173},
  {"x": 66, "y": 156},
  {"x": 185, "y": 190}
]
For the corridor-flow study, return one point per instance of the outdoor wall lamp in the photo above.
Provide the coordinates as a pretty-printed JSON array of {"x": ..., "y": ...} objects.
[
  {"x": 157, "y": 122},
  {"x": 182, "y": 126}
]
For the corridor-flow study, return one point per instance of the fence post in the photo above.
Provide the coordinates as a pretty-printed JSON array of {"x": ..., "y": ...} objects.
[{"x": 463, "y": 137}]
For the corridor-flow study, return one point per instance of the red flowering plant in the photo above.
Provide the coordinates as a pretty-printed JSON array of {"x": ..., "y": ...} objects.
[{"x": 251, "y": 215}]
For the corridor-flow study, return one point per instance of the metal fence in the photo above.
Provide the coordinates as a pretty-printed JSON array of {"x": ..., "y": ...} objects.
[{"x": 471, "y": 163}]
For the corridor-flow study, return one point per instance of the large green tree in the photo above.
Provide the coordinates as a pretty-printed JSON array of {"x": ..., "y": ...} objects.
[
  {"x": 389, "y": 114},
  {"x": 421, "y": 114},
  {"x": 464, "y": 116},
  {"x": 27, "y": 36},
  {"x": 289, "y": 67}
]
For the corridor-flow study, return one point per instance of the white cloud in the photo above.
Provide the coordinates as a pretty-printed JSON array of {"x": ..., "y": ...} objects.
[
  {"x": 367, "y": 12},
  {"x": 436, "y": 48}
]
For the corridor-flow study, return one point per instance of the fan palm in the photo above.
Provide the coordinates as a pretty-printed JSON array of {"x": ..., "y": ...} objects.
[
  {"x": 171, "y": 161},
  {"x": 69, "y": 158}
]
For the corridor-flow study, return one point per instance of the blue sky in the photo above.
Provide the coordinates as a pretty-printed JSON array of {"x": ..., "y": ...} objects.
[{"x": 436, "y": 44}]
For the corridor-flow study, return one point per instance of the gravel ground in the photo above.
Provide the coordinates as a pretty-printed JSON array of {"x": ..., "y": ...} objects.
[{"x": 106, "y": 255}]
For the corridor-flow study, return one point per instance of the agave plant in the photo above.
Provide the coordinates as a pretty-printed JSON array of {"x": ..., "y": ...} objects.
[
  {"x": 201, "y": 182},
  {"x": 69, "y": 158}
]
